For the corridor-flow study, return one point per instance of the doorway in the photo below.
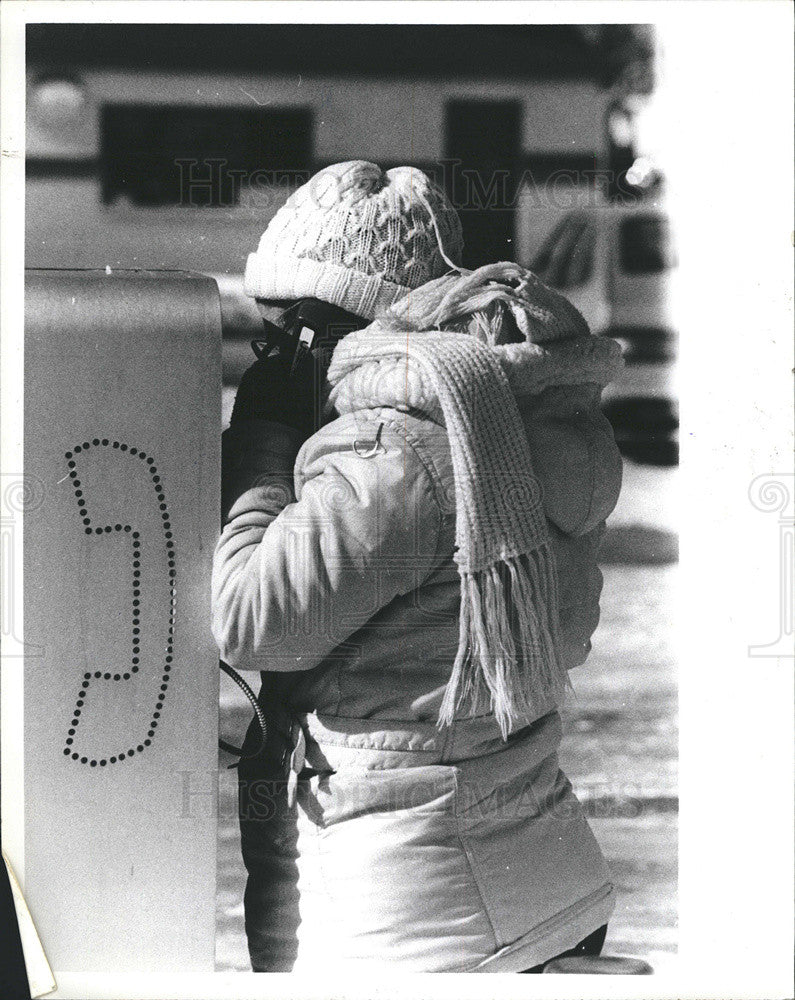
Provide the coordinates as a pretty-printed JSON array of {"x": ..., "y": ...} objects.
[{"x": 483, "y": 143}]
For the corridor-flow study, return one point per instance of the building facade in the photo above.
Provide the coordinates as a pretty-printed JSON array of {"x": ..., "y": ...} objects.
[{"x": 172, "y": 146}]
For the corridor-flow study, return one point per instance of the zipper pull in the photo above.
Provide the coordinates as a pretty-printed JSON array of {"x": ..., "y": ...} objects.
[{"x": 367, "y": 449}]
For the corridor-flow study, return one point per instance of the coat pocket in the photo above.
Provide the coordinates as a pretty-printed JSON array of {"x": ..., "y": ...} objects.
[
  {"x": 529, "y": 845},
  {"x": 384, "y": 876}
]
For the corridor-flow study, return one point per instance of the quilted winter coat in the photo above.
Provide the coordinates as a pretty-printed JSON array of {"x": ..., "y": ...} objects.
[{"x": 433, "y": 850}]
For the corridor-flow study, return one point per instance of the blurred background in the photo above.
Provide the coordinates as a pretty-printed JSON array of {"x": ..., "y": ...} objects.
[{"x": 171, "y": 147}]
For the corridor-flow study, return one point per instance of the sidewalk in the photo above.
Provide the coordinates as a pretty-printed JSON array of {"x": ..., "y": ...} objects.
[
  {"x": 621, "y": 739},
  {"x": 620, "y": 752}
]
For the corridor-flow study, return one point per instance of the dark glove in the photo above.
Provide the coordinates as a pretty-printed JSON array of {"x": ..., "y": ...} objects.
[
  {"x": 269, "y": 392},
  {"x": 258, "y": 453}
]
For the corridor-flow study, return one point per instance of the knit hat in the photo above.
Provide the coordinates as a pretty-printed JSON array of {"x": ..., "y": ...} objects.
[{"x": 358, "y": 237}]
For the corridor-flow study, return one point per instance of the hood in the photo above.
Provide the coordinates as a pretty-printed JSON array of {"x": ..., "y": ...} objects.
[{"x": 539, "y": 339}]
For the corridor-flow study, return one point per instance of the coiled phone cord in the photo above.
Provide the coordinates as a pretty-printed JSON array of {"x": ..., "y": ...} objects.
[{"x": 260, "y": 716}]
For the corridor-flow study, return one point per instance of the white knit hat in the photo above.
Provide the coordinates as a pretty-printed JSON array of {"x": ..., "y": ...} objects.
[{"x": 358, "y": 237}]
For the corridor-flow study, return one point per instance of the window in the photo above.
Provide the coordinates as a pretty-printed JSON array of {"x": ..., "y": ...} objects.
[
  {"x": 580, "y": 264},
  {"x": 198, "y": 156},
  {"x": 567, "y": 255},
  {"x": 646, "y": 245},
  {"x": 540, "y": 265}
]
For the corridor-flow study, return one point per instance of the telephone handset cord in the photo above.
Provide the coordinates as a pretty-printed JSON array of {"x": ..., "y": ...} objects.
[{"x": 258, "y": 713}]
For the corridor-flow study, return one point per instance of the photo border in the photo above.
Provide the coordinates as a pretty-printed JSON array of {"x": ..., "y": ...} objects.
[{"x": 728, "y": 70}]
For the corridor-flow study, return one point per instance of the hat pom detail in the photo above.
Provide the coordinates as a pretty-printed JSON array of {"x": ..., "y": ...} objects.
[{"x": 357, "y": 236}]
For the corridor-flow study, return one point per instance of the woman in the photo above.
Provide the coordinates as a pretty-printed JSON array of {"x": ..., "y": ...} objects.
[{"x": 414, "y": 609}]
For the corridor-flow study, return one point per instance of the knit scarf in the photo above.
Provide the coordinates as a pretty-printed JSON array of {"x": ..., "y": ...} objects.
[{"x": 437, "y": 352}]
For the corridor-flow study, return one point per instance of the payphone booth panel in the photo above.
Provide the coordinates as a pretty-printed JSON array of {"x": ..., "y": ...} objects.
[{"x": 122, "y": 415}]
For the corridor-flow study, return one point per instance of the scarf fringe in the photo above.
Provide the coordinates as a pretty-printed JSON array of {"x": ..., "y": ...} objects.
[{"x": 507, "y": 659}]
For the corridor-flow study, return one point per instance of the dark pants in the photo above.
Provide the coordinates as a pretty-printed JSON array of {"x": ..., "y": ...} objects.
[
  {"x": 269, "y": 841},
  {"x": 591, "y": 945}
]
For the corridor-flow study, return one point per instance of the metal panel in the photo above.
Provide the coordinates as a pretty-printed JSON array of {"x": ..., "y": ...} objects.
[{"x": 122, "y": 429}]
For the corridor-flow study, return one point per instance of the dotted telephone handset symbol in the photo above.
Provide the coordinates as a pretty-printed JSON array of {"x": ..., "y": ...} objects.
[{"x": 135, "y": 555}]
